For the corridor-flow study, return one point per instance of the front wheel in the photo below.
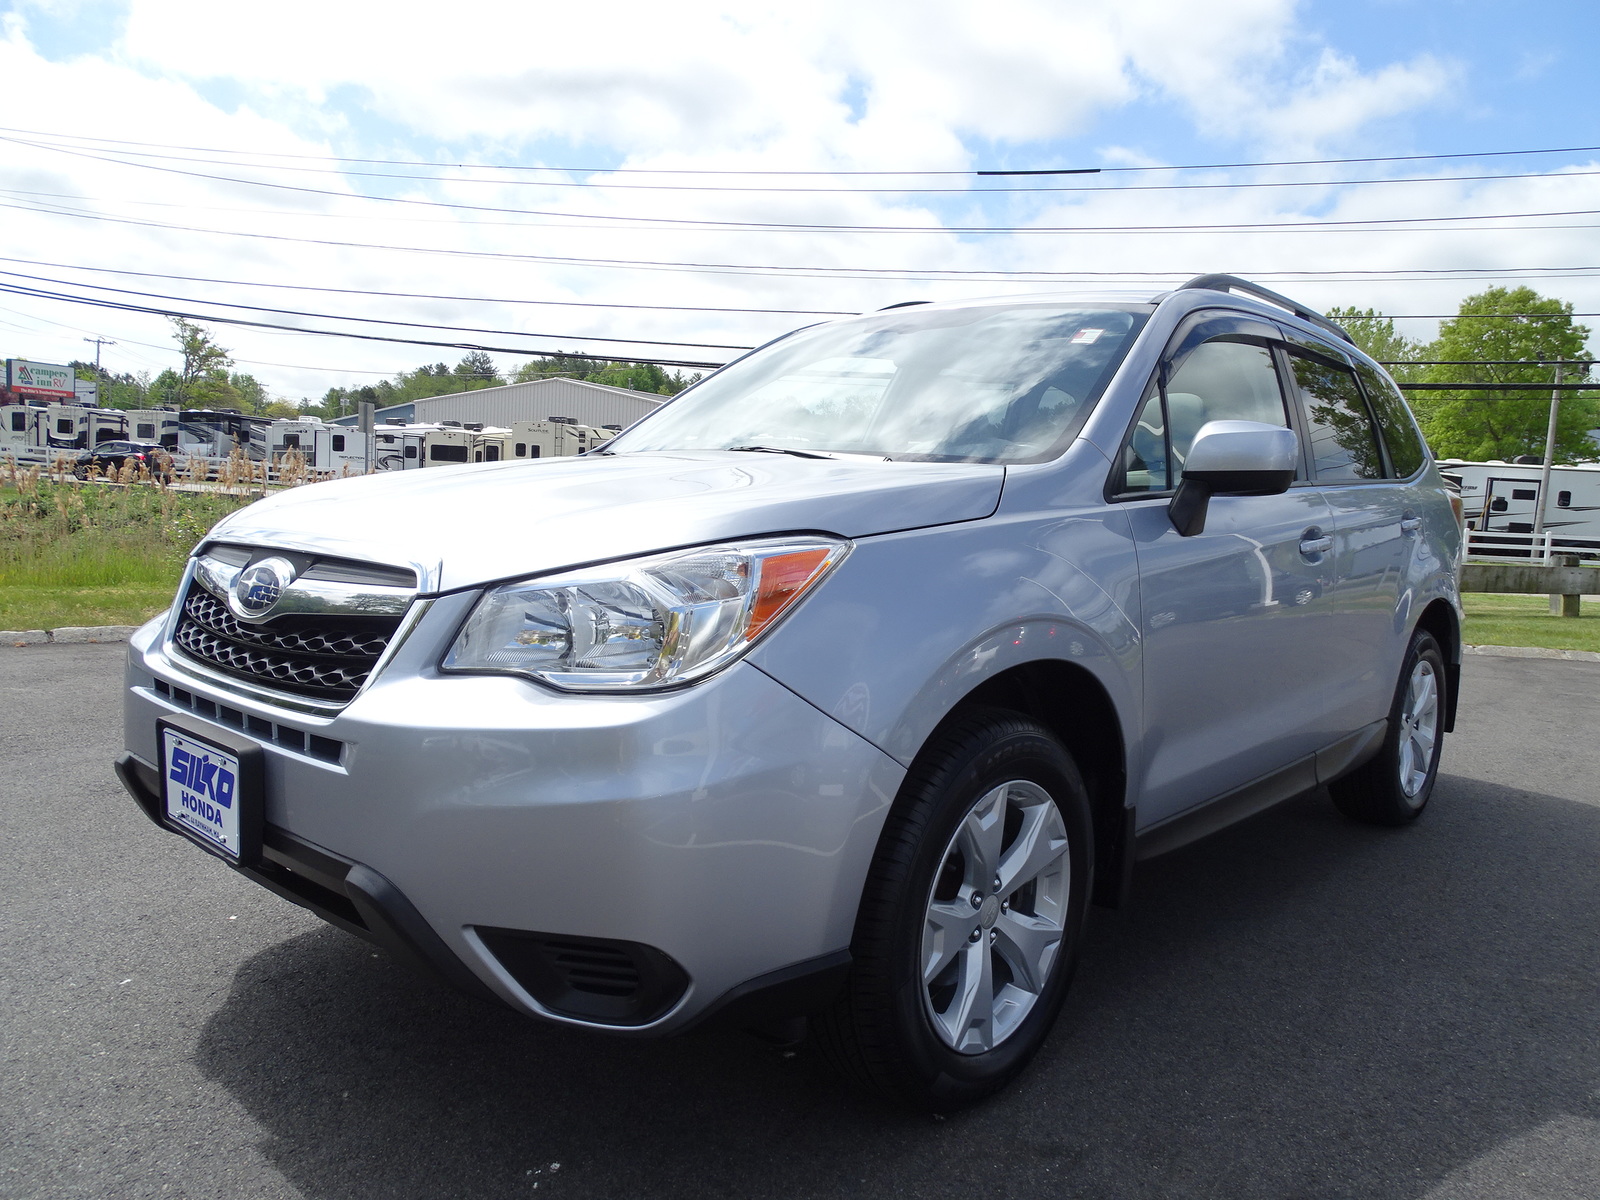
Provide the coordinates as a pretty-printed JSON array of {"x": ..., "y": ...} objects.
[
  {"x": 1393, "y": 787},
  {"x": 972, "y": 916}
]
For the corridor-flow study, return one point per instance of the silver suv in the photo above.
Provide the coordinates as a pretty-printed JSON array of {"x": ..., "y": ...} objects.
[{"x": 840, "y": 686}]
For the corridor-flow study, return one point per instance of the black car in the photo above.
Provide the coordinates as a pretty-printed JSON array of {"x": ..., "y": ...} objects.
[{"x": 110, "y": 457}]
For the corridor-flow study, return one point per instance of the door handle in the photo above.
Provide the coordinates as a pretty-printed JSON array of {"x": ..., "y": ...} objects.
[
  {"x": 1410, "y": 524},
  {"x": 1315, "y": 542}
]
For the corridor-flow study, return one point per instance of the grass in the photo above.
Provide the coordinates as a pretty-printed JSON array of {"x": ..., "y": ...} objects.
[
  {"x": 94, "y": 555},
  {"x": 1494, "y": 619}
]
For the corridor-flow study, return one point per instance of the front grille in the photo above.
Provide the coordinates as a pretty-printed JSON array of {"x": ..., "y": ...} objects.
[
  {"x": 314, "y": 744},
  {"x": 324, "y": 657}
]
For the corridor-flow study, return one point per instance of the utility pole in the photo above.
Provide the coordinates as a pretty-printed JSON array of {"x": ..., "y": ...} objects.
[
  {"x": 1549, "y": 455},
  {"x": 98, "y": 342}
]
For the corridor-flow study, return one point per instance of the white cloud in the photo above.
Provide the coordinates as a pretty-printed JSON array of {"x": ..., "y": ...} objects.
[{"x": 711, "y": 76}]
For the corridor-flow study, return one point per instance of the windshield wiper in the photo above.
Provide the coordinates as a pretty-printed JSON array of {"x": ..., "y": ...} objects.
[
  {"x": 831, "y": 454},
  {"x": 780, "y": 450}
]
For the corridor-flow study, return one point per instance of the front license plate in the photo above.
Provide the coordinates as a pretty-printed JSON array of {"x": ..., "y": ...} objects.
[{"x": 204, "y": 792}]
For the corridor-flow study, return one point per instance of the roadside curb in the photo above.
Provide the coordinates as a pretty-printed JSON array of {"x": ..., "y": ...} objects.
[
  {"x": 67, "y": 634},
  {"x": 1532, "y": 652}
]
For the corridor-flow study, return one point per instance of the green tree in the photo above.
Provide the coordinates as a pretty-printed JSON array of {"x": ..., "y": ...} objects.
[
  {"x": 166, "y": 389},
  {"x": 477, "y": 370},
  {"x": 638, "y": 377},
  {"x": 203, "y": 382},
  {"x": 1377, "y": 336},
  {"x": 115, "y": 391},
  {"x": 252, "y": 395},
  {"x": 1501, "y": 326}
]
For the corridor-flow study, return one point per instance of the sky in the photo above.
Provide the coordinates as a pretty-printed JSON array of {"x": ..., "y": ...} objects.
[{"x": 676, "y": 182}]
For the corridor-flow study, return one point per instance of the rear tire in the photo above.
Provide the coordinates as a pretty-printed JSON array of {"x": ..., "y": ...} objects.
[
  {"x": 971, "y": 919},
  {"x": 1393, "y": 787}
]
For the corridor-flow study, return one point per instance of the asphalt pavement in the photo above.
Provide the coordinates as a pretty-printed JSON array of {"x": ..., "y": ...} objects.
[{"x": 1296, "y": 1007}]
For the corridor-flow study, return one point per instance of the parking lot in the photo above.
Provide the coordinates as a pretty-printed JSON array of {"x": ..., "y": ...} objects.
[{"x": 1299, "y": 1006}]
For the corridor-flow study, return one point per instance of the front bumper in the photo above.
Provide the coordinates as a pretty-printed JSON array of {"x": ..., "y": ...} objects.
[{"x": 726, "y": 827}]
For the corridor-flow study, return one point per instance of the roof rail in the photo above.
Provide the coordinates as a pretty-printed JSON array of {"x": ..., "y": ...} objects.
[
  {"x": 904, "y": 304},
  {"x": 1232, "y": 283}
]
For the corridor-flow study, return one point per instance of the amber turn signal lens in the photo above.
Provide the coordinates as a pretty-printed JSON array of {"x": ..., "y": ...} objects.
[{"x": 784, "y": 579}]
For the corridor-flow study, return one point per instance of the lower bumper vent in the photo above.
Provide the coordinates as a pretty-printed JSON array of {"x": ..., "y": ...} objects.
[{"x": 592, "y": 979}]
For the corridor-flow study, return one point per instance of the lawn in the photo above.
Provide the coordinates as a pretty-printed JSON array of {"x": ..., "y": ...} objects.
[
  {"x": 73, "y": 554},
  {"x": 1494, "y": 619}
]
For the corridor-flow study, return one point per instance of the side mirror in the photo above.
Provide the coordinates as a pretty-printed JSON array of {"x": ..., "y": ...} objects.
[{"x": 1232, "y": 458}]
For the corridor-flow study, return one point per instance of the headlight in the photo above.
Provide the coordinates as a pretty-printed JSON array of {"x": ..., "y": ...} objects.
[{"x": 647, "y": 623}]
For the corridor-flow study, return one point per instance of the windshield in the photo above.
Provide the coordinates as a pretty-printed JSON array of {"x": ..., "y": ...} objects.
[{"x": 990, "y": 384}]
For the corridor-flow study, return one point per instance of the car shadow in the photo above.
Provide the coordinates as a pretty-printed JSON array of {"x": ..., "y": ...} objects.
[{"x": 1298, "y": 1006}]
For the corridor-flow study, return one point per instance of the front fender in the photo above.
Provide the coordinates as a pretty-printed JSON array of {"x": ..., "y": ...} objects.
[{"x": 913, "y": 623}]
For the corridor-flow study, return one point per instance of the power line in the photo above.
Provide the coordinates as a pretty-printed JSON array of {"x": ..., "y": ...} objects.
[
  {"x": 863, "y": 191},
  {"x": 1417, "y": 274},
  {"x": 700, "y": 223},
  {"x": 1305, "y": 162},
  {"x": 1483, "y": 362},
  {"x": 1541, "y": 388},
  {"x": 292, "y": 312},
  {"x": 799, "y": 272},
  {"x": 795, "y": 312},
  {"x": 363, "y": 337}
]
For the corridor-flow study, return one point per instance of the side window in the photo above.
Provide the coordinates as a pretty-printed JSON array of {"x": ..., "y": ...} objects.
[
  {"x": 1406, "y": 450},
  {"x": 1344, "y": 444},
  {"x": 146, "y": 432},
  {"x": 1218, "y": 381},
  {"x": 338, "y": 443},
  {"x": 19, "y": 422}
]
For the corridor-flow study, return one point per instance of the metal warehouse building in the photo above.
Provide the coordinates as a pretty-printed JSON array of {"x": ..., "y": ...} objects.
[{"x": 594, "y": 404}]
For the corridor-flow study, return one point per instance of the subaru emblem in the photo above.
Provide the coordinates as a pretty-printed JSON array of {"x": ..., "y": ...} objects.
[{"x": 258, "y": 587}]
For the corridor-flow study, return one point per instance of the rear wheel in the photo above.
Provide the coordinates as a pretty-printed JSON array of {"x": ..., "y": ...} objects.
[
  {"x": 971, "y": 919},
  {"x": 1393, "y": 787}
]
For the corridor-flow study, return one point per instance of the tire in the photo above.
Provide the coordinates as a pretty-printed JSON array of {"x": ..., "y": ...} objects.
[
  {"x": 955, "y": 982},
  {"x": 81, "y": 474},
  {"x": 1393, "y": 787}
]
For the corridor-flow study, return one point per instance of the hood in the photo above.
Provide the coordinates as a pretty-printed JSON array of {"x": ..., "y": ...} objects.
[{"x": 462, "y": 526}]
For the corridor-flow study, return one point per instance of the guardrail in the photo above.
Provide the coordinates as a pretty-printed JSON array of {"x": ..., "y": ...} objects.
[
  {"x": 1564, "y": 581},
  {"x": 1529, "y": 547}
]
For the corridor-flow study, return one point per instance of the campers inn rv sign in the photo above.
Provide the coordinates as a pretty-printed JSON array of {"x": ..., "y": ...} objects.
[{"x": 39, "y": 379}]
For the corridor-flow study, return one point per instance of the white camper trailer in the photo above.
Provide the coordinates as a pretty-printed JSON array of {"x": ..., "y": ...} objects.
[
  {"x": 105, "y": 425},
  {"x": 557, "y": 437},
  {"x": 397, "y": 446},
  {"x": 226, "y": 431},
  {"x": 22, "y": 431},
  {"x": 400, "y": 447},
  {"x": 1501, "y": 504},
  {"x": 65, "y": 427},
  {"x": 159, "y": 425},
  {"x": 450, "y": 444},
  {"x": 327, "y": 449}
]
